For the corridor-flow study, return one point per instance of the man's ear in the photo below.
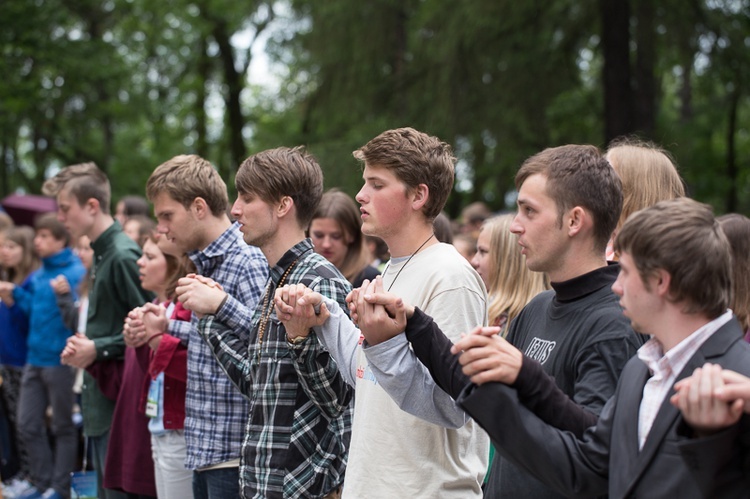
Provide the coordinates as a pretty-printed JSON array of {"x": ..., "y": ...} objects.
[
  {"x": 577, "y": 220},
  {"x": 420, "y": 196},
  {"x": 200, "y": 208},
  {"x": 660, "y": 282},
  {"x": 92, "y": 205},
  {"x": 284, "y": 206}
]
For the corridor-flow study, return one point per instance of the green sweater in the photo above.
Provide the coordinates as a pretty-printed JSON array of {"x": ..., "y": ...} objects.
[{"x": 115, "y": 291}]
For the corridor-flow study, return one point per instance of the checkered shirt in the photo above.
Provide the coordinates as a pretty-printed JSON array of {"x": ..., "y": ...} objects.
[
  {"x": 215, "y": 412},
  {"x": 298, "y": 428}
]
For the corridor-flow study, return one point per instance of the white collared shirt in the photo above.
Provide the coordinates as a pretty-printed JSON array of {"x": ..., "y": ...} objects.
[{"x": 665, "y": 367}]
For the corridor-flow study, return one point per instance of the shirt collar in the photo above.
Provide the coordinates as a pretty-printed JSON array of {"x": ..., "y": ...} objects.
[
  {"x": 660, "y": 363},
  {"x": 207, "y": 259},
  {"x": 292, "y": 255},
  {"x": 585, "y": 284},
  {"x": 106, "y": 238}
]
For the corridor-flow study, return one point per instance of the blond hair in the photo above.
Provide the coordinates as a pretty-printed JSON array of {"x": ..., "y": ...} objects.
[
  {"x": 187, "y": 177},
  {"x": 648, "y": 175},
  {"x": 83, "y": 181},
  {"x": 510, "y": 284}
]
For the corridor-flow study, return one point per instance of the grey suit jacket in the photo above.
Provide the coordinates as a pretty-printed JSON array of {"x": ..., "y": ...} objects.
[{"x": 607, "y": 459}]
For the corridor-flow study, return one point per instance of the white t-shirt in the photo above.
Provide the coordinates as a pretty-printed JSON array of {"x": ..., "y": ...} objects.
[{"x": 392, "y": 453}]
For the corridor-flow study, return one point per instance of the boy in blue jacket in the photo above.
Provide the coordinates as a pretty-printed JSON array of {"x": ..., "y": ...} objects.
[{"x": 45, "y": 381}]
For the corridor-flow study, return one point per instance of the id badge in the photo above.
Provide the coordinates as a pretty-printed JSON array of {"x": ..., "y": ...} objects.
[{"x": 152, "y": 401}]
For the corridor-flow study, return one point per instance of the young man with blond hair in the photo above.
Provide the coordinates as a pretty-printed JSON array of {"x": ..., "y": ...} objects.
[
  {"x": 83, "y": 198},
  {"x": 190, "y": 202},
  {"x": 298, "y": 423},
  {"x": 408, "y": 177}
]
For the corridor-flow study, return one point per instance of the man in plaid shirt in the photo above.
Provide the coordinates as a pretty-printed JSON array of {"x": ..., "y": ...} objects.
[
  {"x": 190, "y": 202},
  {"x": 298, "y": 428}
]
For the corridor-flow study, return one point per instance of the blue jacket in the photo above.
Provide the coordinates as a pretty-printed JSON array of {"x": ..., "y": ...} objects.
[
  {"x": 47, "y": 332},
  {"x": 14, "y": 329}
]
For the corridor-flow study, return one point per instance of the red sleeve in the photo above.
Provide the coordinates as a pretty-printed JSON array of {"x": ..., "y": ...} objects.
[{"x": 170, "y": 358}]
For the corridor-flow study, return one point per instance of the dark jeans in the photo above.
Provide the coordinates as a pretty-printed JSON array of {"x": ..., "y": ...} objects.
[
  {"x": 222, "y": 483},
  {"x": 98, "y": 446},
  {"x": 42, "y": 387}
]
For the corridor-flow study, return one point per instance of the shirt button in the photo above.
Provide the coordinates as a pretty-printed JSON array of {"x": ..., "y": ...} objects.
[{"x": 106, "y": 353}]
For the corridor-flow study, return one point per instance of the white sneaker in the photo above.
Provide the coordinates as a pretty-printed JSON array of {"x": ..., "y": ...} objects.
[{"x": 15, "y": 488}]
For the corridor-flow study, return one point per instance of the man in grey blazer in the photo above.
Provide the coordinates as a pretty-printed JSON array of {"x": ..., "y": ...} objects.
[{"x": 674, "y": 284}]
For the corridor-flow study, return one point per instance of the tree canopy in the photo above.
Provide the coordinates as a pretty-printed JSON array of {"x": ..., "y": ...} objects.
[{"x": 130, "y": 83}]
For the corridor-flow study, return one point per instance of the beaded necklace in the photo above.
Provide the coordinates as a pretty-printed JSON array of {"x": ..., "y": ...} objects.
[{"x": 267, "y": 311}]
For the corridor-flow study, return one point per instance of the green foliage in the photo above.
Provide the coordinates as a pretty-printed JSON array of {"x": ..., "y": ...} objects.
[{"x": 130, "y": 83}]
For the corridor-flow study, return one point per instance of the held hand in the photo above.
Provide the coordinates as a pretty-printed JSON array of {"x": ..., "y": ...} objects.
[
  {"x": 486, "y": 356},
  {"x": 156, "y": 323},
  {"x": 200, "y": 294},
  {"x": 351, "y": 301},
  {"x": 155, "y": 319},
  {"x": 700, "y": 406},
  {"x": 296, "y": 308},
  {"x": 133, "y": 330},
  {"x": 736, "y": 386},
  {"x": 6, "y": 292},
  {"x": 392, "y": 303},
  {"x": 381, "y": 315},
  {"x": 60, "y": 285},
  {"x": 79, "y": 352}
]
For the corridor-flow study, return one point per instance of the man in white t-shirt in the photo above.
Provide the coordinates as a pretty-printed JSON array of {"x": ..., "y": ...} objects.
[{"x": 408, "y": 176}]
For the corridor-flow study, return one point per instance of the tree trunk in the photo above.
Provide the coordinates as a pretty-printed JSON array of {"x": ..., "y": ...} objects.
[
  {"x": 645, "y": 82},
  {"x": 235, "y": 120},
  {"x": 618, "y": 93},
  {"x": 732, "y": 170},
  {"x": 204, "y": 69}
]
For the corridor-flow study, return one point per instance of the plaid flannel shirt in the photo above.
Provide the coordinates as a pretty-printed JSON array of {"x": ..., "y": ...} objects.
[
  {"x": 298, "y": 429},
  {"x": 215, "y": 412}
]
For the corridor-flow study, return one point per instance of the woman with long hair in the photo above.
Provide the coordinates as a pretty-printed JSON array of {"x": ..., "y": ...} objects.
[
  {"x": 648, "y": 175},
  {"x": 737, "y": 229},
  {"x": 18, "y": 261},
  {"x": 336, "y": 234},
  {"x": 163, "y": 390},
  {"x": 502, "y": 267}
]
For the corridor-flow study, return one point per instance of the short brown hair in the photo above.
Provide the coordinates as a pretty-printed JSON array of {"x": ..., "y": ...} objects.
[
  {"x": 737, "y": 229},
  {"x": 84, "y": 181},
  {"x": 647, "y": 172},
  {"x": 415, "y": 158},
  {"x": 187, "y": 177},
  {"x": 682, "y": 237},
  {"x": 284, "y": 171},
  {"x": 55, "y": 227},
  {"x": 578, "y": 175}
]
